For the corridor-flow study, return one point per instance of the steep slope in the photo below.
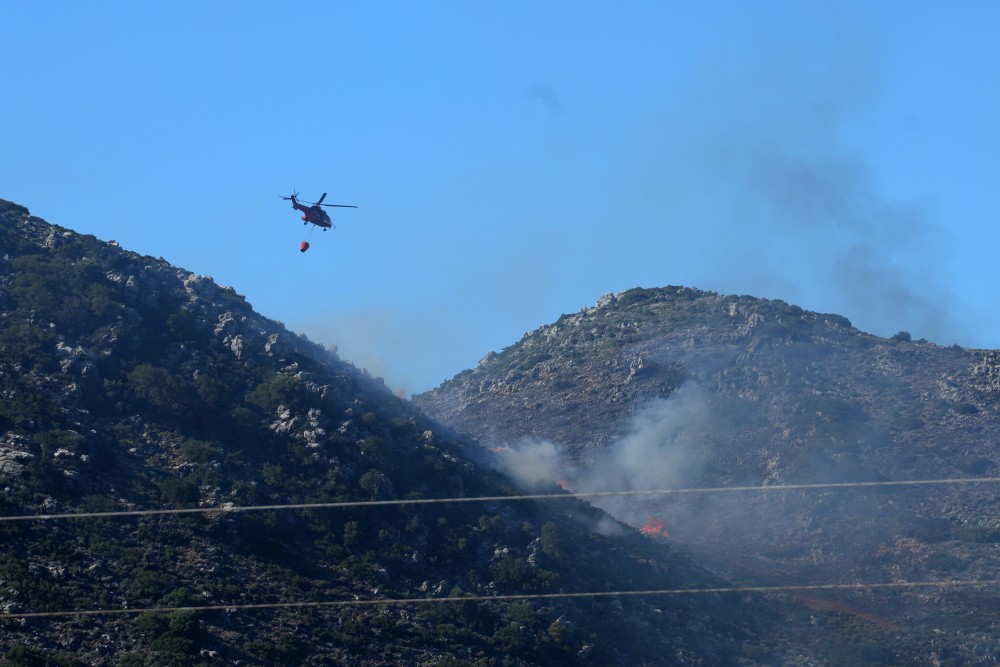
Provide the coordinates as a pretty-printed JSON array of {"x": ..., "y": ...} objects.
[
  {"x": 129, "y": 384},
  {"x": 675, "y": 387}
]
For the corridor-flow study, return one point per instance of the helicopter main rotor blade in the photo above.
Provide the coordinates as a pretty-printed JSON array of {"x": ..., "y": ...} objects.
[
  {"x": 321, "y": 198},
  {"x": 340, "y": 205}
]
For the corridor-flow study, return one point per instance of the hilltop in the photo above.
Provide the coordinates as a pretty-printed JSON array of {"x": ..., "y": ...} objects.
[{"x": 681, "y": 388}]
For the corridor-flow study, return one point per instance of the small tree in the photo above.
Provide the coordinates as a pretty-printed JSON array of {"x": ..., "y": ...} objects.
[{"x": 551, "y": 540}]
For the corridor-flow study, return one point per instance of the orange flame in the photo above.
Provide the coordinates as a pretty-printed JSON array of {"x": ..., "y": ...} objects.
[
  {"x": 563, "y": 484},
  {"x": 655, "y": 528}
]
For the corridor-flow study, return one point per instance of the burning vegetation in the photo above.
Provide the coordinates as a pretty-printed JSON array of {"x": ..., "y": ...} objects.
[{"x": 655, "y": 528}]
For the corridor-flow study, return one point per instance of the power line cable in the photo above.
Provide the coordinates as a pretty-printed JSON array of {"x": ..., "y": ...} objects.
[
  {"x": 221, "y": 509},
  {"x": 510, "y": 597}
]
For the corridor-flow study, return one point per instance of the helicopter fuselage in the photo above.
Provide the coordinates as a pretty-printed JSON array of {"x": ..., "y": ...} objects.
[{"x": 314, "y": 214}]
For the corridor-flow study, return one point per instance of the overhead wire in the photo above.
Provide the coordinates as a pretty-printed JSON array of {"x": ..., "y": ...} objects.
[
  {"x": 566, "y": 495},
  {"x": 384, "y": 602},
  {"x": 506, "y": 597}
]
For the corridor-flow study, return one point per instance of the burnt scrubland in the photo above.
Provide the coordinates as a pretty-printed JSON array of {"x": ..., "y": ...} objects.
[{"x": 129, "y": 384}]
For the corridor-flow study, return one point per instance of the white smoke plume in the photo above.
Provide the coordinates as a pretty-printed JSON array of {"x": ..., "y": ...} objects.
[
  {"x": 661, "y": 449},
  {"x": 533, "y": 463}
]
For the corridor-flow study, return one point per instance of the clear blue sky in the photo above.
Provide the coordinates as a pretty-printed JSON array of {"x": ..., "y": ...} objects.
[{"x": 512, "y": 161}]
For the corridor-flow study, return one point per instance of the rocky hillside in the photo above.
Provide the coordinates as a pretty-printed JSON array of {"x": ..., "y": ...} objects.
[
  {"x": 129, "y": 384},
  {"x": 680, "y": 388}
]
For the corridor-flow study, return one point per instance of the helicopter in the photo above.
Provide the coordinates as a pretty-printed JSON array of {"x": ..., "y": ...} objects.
[{"x": 313, "y": 212}]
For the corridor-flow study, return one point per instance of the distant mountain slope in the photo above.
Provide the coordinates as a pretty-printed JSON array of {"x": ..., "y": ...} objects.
[
  {"x": 130, "y": 384},
  {"x": 676, "y": 387}
]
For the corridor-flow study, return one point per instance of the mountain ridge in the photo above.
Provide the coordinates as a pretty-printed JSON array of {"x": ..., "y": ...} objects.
[{"x": 676, "y": 387}]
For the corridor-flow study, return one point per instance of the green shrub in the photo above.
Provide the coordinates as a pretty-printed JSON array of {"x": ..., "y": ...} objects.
[
  {"x": 162, "y": 390},
  {"x": 179, "y": 492},
  {"x": 199, "y": 451},
  {"x": 551, "y": 540},
  {"x": 281, "y": 389}
]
